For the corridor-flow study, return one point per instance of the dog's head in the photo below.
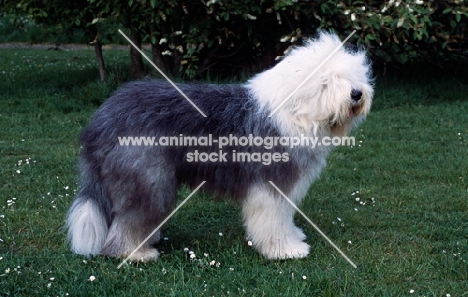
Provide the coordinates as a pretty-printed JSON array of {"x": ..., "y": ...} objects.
[
  {"x": 327, "y": 88},
  {"x": 346, "y": 88}
]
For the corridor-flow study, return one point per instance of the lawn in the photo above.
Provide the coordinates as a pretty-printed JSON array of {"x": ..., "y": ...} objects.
[{"x": 396, "y": 203}]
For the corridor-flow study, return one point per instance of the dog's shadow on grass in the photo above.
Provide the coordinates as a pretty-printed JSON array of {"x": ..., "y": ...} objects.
[{"x": 203, "y": 222}]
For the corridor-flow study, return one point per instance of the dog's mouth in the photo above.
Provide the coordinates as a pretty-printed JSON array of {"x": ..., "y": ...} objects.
[{"x": 353, "y": 111}]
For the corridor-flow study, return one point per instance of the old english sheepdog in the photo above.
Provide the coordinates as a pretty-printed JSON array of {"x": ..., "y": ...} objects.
[{"x": 127, "y": 190}]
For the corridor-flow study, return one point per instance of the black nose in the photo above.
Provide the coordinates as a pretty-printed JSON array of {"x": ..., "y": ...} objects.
[{"x": 356, "y": 95}]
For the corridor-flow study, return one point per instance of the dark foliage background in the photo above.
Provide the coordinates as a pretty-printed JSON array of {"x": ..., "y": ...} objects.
[{"x": 189, "y": 38}]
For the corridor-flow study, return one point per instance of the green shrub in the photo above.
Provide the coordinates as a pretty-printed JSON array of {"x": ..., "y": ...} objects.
[
  {"x": 203, "y": 35},
  {"x": 192, "y": 37}
]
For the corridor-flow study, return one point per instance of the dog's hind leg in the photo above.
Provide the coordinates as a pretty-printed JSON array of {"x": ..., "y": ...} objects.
[
  {"x": 126, "y": 233},
  {"x": 142, "y": 197}
]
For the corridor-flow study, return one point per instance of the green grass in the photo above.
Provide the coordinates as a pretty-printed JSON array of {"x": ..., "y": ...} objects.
[{"x": 410, "y": 168}]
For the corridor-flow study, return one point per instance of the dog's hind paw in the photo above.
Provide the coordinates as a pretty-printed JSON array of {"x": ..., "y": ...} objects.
[{"x": 144, "y": 255}]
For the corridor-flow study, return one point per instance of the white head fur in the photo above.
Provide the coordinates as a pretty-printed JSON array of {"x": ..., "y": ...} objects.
[{"x": 323, "y": 105}]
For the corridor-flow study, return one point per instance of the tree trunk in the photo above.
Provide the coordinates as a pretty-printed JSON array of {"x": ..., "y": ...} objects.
[
  {"x": 136, "y": 61},
  {"x": 100, "y": 60}
]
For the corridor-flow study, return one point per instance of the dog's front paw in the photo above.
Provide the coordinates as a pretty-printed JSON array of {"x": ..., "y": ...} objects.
[{"x": 284, "y": 249}]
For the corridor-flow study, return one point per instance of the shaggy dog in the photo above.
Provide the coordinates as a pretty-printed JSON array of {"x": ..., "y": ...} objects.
[{"x": 126, "y": 191}]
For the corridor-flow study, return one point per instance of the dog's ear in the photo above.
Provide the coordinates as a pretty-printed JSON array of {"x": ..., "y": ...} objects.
[
  {"x": 329, "y": 84},
  {"x": 327, "y": 77},
  {"x": 334, "y": 92}
]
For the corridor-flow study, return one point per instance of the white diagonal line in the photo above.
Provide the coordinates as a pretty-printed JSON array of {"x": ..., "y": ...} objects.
[
  {"x": 162, "y": 73},
  {"x": 160, "y": 225},
  {"x": 310, "y": 75},
  {"x": 313, "y": 225}
]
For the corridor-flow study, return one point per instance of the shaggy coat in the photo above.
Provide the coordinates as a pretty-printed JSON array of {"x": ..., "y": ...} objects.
[{"x": 126, "y": 191}]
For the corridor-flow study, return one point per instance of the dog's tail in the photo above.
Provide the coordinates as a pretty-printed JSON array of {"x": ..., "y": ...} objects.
[{"x": 87, "y": 220}]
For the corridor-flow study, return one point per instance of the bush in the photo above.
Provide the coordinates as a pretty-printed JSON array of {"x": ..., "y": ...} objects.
[
  {"x": 199, "y": 35},
  {"x": 404, "y": 31},
  {"x": 192, "y": 37}
]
